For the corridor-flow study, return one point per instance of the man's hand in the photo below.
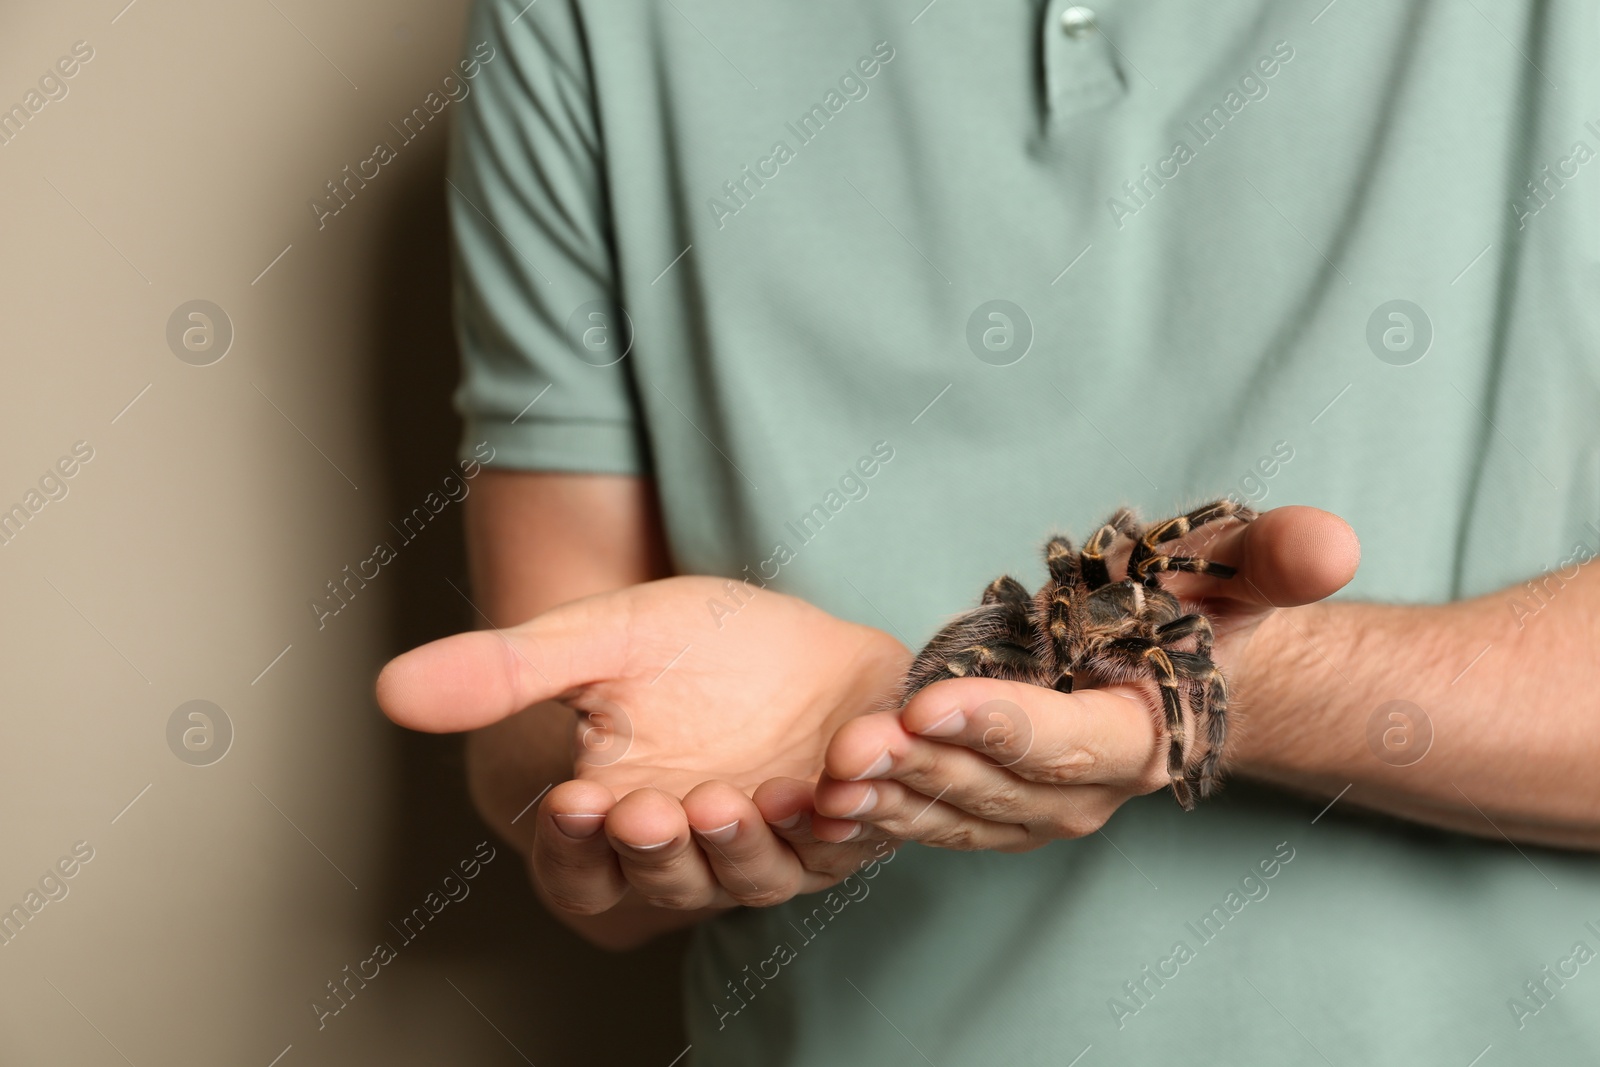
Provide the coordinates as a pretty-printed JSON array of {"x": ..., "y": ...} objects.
[
  {"x": 977, "y": 763},
  {"x": 692, "y": 693}
]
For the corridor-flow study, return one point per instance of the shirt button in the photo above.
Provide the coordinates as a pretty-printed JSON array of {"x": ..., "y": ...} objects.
[{"x": 1077, "y": 22}]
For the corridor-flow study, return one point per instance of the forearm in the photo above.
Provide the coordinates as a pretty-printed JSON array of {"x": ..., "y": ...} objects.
[
  {"x": 1511, "y": 698},
  {"x": 535, "y": 541}
]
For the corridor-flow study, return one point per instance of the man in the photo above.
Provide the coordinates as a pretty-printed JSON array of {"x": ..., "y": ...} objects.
[{"x": 849, "y": 306}]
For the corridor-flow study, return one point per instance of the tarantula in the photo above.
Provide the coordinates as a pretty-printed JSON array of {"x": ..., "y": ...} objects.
[{"x": 1082, "y": 628}]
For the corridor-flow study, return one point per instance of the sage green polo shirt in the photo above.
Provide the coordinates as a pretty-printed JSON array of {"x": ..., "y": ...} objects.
[{"x": 880, "y": 294}]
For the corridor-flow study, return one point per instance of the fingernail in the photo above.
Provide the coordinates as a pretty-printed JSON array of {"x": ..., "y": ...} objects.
[
  {"x": 578, "y": 826},
  {"x": 868, "y": 802},
  {"x": 855, "y": 832},
  {"x": 657, "y": 847},
  {"x": 879, "y": 767},
  {"x": 722, "y": 834},
  {"x": 790, "y": 823},
  {"x": 951, "y": 724}
]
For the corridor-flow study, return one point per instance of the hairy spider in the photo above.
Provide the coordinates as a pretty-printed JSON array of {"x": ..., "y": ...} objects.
[{"x": 1084, "y": 629}]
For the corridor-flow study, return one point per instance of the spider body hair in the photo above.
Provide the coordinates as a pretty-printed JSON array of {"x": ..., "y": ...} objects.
[{"x": 1085, "y": 629}]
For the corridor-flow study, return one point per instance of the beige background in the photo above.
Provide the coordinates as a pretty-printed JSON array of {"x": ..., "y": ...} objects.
[{"x": 183, "y": 557}]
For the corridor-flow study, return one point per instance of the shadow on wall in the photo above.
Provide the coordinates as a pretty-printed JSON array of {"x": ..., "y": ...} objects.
[{"x": 538, "y": 981}]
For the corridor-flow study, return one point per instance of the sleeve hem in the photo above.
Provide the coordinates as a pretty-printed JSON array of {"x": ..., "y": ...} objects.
[{"x": 550, "y": 445}]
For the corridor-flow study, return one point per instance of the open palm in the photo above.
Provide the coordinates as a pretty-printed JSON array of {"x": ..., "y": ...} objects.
[{"x": 680, "y": 681}]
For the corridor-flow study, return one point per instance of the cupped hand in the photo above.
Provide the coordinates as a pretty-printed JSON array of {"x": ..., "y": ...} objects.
[
  {"x": 692, "y": 692},
  {"x": 976, "y": 763}
]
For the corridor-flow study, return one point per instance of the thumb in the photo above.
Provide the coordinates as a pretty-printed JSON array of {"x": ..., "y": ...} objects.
[
  {"x": 474, "y": 679},
  {"x": 1288, "y": 556}
]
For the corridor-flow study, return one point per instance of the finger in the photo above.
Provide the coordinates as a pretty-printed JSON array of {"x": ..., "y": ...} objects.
[
  {"x": 753, "y": 864},
  {"x": 1288, "y": 556},
  {"x": 896, "y": 809},
  {"x": 830, "y": 861},
  {"x": 650, "y": 833},
  {"x": 1102, "y": 737},
  {"x": 971, "y": 782},
  {"x": 473, "y": 679},
  {"x": 573, "y": 863},
  {"x": 786, "y": 804}
]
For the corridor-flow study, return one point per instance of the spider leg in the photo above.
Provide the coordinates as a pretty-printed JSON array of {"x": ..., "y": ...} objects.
[
  {"x": 1196, "y": 626},
  {"x": 1157, "y": 662},
  {"x": 1005, "y": 590},
  {"x": 1062, "y": 561},
  {"x": 989, "y": 642},
  {"x": 1091, "y": 561},
  {"x": 1159, "y": 564},
  {"x": 1056, "y": 642},
  {"x": 1207, "y": 777},
  {"x": 1209, "y": 699},
  {"x": 998, "y": 660},
  {"x": 1015, "y": 603},
  {"x": 1056, "y": 609},
  {"x": 1145, "y": 547}
]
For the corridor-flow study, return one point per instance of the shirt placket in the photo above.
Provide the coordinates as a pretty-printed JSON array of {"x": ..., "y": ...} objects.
[{"x": 1080, "y": 65}]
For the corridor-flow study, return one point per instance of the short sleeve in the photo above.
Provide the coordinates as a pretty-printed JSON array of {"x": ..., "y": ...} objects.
[{"x": 532, "y": 252}]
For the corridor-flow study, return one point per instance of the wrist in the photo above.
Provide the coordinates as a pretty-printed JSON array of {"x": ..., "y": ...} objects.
[
  {"x": 1277, "y": 651},
  {"x": 631, "y": 923}
]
